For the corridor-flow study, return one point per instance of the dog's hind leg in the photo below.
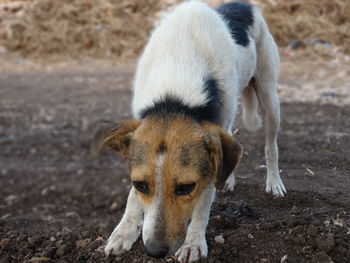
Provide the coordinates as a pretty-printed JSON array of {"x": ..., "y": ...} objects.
[
  {"x": 266, "y": 76},
  {"x": 129, "y": 228}
]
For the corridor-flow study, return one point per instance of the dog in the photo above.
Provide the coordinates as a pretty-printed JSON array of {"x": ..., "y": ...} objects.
[{"x": 180, "y": 147}]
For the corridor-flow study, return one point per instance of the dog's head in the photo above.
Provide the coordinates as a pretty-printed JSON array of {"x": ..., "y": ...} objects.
[{"x": 172, "y": 163}]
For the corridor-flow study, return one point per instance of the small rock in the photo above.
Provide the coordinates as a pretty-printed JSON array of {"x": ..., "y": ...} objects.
[
  {"x": 284, "y": 259},
  {"x": 100, "y": 249},
  {"x": 264, "y": 260},
  {"x": 72, "y": 214},
  {"x": 11, "y": 199},
  {"x": 306, "y": 250},
  {"x": 321, "y": 257},
  {"x": 52, "y": 239},
  {"x": 250, "y": 236},
  {"x": 5, "y": 216},
  {"x": 4, "y": 242},
  {"x": 327, "y": 223},
  {"x": 114, "y": 207},
  {"x": 339, "y": 222},
  {"x": 81, "y": 243},
  {"x": 219, "y": 239}
]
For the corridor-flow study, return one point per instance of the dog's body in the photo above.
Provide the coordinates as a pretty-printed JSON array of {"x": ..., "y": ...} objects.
[{"x": 188, "y": 81}]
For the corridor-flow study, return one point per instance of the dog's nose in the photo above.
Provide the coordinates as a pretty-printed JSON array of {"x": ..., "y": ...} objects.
[{"x": 156, "y": 249}]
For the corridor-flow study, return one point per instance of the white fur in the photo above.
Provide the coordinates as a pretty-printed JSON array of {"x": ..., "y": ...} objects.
[
  {"x": 129, "y": 228},
  {"x": 190, "y": 43},
  {"x": 195, "y": 246},
  {"x": 151, "y": 218}
]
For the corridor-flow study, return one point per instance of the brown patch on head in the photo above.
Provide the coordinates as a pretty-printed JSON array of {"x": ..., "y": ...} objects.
[
  {"x": 137, "y": 154},
  {"x": 179, "y": 144},
  {"x": 171, "y": 154},
  {"x": 195, "y": 153}
]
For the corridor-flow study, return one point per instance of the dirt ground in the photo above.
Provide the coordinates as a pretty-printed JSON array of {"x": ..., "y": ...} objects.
[{"x": 59, "y": 203}]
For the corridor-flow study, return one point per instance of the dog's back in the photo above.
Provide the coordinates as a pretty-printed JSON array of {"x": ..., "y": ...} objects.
[{"x": 199, "y": 60}]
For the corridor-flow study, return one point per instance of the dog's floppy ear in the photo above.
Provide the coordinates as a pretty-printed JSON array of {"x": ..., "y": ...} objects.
[
  {"x": 225, "y": 153},
  {"x": 232, "y": 152},
  {"x": 117, "y": 137}
]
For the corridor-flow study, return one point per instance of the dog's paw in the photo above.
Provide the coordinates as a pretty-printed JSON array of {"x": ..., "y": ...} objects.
[
  {"x": 230, "y": 183},
  {"x": 195, "y": 251},
  {"x": 122, "y": 240},
  {"x": 276, "y": 186}
]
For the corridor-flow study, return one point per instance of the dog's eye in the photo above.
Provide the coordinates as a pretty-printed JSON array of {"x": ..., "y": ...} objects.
[
  {"x": 184, "y": 189},
  {"x": 141, "y": 186}
]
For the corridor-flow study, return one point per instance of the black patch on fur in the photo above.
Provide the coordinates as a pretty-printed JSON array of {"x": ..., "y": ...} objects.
[
  {"x": 239, "y": 17},
  {"x": 161, "y": 148},
  {"x": 171, "y": 105}
]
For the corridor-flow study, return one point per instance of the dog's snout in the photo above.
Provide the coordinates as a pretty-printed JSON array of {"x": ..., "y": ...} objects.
[{"x": 156, "y": 249}]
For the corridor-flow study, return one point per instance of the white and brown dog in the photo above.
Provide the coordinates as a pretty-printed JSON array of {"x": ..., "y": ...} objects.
[{"x": 180, "y": 147}]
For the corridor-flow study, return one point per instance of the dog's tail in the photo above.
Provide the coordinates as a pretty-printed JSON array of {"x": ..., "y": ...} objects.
[{"x": 250, "y": 105}]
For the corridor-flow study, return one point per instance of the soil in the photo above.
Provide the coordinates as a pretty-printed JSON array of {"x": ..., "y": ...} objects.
[{"x": 59, "y": 203}]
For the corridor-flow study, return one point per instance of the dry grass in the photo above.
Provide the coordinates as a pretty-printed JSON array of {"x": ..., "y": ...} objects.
[
  {"x": 120, "y": 28},
  {"x": 83, "y": 28},
  {"x": 325, "y": 20}
]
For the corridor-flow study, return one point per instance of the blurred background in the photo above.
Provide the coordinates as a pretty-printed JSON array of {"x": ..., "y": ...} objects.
[{"x": 67, "y": 65}]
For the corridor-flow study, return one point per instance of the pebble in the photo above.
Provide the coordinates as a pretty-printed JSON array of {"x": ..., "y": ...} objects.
[
  {"x": 100, "y": 249},
  {"x": 284, "y": 259},
  {"x": 327, "y": 223},
  {"x": 72, "y": 214},
  {"x": 81, "y": 243},
  {"x": 114, "y": 207},
  {"x": 306, "y": 250},
  {"x": 339, "y": 222},
  {"x": 250, "y": 236},
  {"x": 264, "y": 260},
  {"x": 219, "y": 239},
  {"x": 11, "y": 199},
  {"x": 4, "y": 242}
]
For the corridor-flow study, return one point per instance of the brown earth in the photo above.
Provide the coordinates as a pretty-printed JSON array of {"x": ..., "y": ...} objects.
[{"x": 59, "y": 203}]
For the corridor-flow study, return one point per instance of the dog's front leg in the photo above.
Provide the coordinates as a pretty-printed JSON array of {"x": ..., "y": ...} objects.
[
  {"x": 195, "y": 246},
  {"x": 129, "y": 228}
]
